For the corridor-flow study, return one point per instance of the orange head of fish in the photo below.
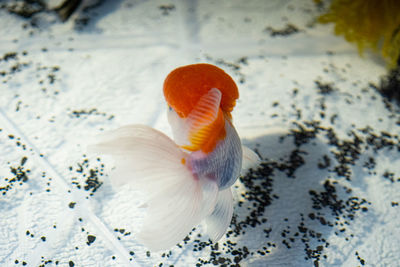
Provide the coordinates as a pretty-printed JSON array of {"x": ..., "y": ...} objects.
[{"x": 185, "y": 85}]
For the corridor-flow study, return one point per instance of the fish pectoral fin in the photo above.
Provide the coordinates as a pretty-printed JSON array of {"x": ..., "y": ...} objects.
[
  {"x": 219, "y": 220},
  {"x": 206, "y": 109},
  {"x": 250, "y": 159},
  {"x": 205, "y": 119}
]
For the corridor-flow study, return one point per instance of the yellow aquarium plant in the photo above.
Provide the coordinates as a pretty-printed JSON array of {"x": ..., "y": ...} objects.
[{"x": 370, "y": 24}]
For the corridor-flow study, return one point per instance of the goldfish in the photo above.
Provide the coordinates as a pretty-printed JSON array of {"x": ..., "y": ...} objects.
[{"x": 188, "y": 179}]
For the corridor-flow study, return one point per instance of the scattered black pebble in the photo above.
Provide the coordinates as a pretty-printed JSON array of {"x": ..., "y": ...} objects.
[
  {"x": 25, "y": 9},
  {"x": 288, "y": 30},
  {"x": 29, "y": 9},
  {"x": 71, "y": 264},
  {"x": 9, "y": 56},
  {"x": 12, "y": 66},
  {"x": 331, "y": 211},
  {"x": 88, "y": 175},
  {"x": 85, "y": 113},
  {"x": 294, "y": 162},
  {"x": 258, "y": 184},
  {"x": 71, "y": 205},
  {"x": 304, "y": 133},
  {"x": 361, "y": 260},
  {"x": 324, "y": 88},
  {"x": 45, "y": 75},
  {"x": 235, "y": 67},
  {"x": 91, "y": 239},
  {"x": 92, "y": 181},
  {"x": 45, "y": 262},
  {"x": 166, "y": 9},
  {"x": 123, "y": 232},
  {"x": 20, "y": 176}
]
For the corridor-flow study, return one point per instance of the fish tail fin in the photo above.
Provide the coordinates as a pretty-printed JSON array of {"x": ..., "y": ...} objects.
[
  {"x": 177, "y": 200},
  {"x": 219, "y": 220}
]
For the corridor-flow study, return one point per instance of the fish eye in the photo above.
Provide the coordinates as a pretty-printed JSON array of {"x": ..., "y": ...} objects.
[{"x": 170, "y": 108}]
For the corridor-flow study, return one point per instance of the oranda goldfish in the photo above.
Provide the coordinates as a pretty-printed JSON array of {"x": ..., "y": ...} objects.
[{"x": 189, "y": 179}]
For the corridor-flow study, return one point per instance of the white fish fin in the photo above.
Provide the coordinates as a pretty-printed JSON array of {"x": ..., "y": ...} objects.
[
  {"x": 219, "y": 220},
  {"x": 133, "y": 130},
  {"x": 175, "y": 210},
  {"x": 250, "y": 159},
  {"x": 176, "y": 200},
  {"x": 198, "y": 122},
  {"x": 142, "y": 156},
  {"x": 210, "y": 196}
]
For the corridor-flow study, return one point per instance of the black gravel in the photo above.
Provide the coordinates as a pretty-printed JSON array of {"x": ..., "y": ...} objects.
[
  {"x": 288, "y": 30},
  {"x": 90, "y": 239},
  {"x": 333, "y": 206},
  {"x": 18, "y": 176},
  {"x": 86, "y": 175}
]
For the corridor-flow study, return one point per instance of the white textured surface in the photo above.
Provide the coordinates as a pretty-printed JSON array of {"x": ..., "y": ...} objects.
[{"x": 117, "y": 65}]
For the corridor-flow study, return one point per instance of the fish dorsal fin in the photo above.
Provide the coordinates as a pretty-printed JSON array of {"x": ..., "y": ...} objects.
[{"x": 205, "y": 123}]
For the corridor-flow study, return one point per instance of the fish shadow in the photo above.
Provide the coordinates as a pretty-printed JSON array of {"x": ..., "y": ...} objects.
[{"x": 286, "y": 210}]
